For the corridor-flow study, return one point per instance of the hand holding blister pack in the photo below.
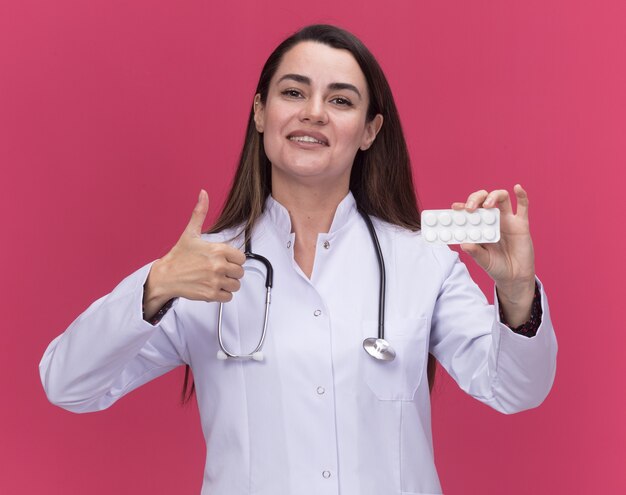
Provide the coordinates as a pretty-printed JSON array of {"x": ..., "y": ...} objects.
[{"x": 481, "y": 226}]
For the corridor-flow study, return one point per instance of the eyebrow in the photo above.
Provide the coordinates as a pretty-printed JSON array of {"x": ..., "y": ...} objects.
[{"x": 307, "y": 80}]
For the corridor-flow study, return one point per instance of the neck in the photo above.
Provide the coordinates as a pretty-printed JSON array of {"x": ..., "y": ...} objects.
[{"x": 311, "y": 211}]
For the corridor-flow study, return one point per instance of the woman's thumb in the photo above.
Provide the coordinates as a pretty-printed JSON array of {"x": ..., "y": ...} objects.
[{"x": 194, "y": 227}]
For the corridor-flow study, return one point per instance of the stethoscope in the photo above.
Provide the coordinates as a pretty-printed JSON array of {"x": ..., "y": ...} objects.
[{"x": 378, "y": 348}]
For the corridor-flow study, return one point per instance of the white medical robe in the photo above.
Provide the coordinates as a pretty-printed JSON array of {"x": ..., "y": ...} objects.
[{"x": 318, "y": 416}]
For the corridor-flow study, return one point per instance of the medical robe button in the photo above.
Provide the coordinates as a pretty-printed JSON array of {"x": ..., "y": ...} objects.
[
  {"x": 317, "y": 312},
  {"x": 321, "y": 390},
  {"x": 326, "y": 245},
  {"x": 326, "y": 474},
  {"x": 288, "y": 244}
]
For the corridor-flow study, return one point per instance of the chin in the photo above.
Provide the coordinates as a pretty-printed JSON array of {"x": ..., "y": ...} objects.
[
  {"x": 317, "y": 169},
  {"x": 308, "y": 178}
]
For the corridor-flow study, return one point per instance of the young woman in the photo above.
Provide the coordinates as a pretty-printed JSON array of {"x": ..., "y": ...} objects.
[{"x": 312, "y": 412}]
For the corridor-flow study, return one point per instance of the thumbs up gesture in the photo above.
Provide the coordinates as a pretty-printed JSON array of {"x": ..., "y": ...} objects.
[{"x": 194, "y": 269}]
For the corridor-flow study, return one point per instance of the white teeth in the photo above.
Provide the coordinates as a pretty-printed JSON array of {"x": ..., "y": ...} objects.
[{"x": 305, "y": 139}]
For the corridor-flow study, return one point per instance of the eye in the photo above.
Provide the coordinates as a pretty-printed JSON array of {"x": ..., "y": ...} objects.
[
  {"x": 341, "y": 101},
  {"x": 291, "y": 93}
]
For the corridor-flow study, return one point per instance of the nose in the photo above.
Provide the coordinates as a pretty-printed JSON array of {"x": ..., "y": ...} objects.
[{"x": 314, "y": 111}]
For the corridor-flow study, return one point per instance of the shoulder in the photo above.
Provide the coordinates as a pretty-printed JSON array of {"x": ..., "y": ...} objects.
[
  {"x": 411, "y": 246},
  {"x": 232, "y": 236}
]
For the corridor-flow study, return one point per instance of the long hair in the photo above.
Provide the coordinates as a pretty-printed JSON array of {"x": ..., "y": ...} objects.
[{"x": 381, "y": 180}]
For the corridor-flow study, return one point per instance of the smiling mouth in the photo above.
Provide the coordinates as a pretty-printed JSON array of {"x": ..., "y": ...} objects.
[{"x": 307, "y": 139}]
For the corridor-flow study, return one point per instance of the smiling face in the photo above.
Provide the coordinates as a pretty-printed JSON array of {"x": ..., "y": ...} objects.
[{"x": 314, "y": 119}]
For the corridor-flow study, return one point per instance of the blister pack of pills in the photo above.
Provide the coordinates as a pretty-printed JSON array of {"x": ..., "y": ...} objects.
[{"x": 460, "y": 226}]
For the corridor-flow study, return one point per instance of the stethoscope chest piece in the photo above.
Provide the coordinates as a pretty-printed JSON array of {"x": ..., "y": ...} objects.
[{"x": 379, "y": 349}]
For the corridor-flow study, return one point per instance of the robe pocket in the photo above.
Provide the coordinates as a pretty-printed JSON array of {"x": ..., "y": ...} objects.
[{"x": 398, "y": 379}]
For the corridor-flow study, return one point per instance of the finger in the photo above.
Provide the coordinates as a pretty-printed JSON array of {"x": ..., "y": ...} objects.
[
  {"x": 478, "y": 252},
  {"x": 230, "y": 285},
  {"x": 499, "y": 199},
  {"x": 223, "y": 296},
  {"x": 475, "y": 200},
  {"x": 234, "y": 255},
  {"x": 235, "y": 271},
  {"x": 522, "y": 201},
  {"x": 194, "y": 227},
  {"x": 458, "y": 206}
]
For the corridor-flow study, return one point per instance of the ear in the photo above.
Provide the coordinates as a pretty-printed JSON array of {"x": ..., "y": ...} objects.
[
  {"x": 371, "y": 130},
  {"x": 259, "y": 113}
]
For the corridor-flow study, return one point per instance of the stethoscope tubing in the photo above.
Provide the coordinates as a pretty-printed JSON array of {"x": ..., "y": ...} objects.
[
  {"x": 382, "y": 275},
  {"x": 269, "y": 282},
  {"x": 372, "y": 346}
]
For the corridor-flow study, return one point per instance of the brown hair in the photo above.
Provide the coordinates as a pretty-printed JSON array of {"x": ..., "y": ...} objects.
[{"x": 381, "y": 179}]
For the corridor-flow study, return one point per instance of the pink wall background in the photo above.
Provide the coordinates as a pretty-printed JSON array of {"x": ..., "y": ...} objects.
[{"x": 114, "y": 114}]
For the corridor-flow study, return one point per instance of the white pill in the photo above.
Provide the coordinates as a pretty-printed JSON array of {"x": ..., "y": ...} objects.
[
  {"x": 489, "y": 217},
  {"x": 430, "y": 219},
  {"x": 474, "y": 234},
  {"x": 474, "y": 218},
  {"x": 431, "y": 235},
  {"x": 459, "y": 234},
  {"x": 445, "y": 219},
  {"x": 445, "y": 235},
  {"x": 459, "y": 218},
  {"x": 489, "y": 234}
]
